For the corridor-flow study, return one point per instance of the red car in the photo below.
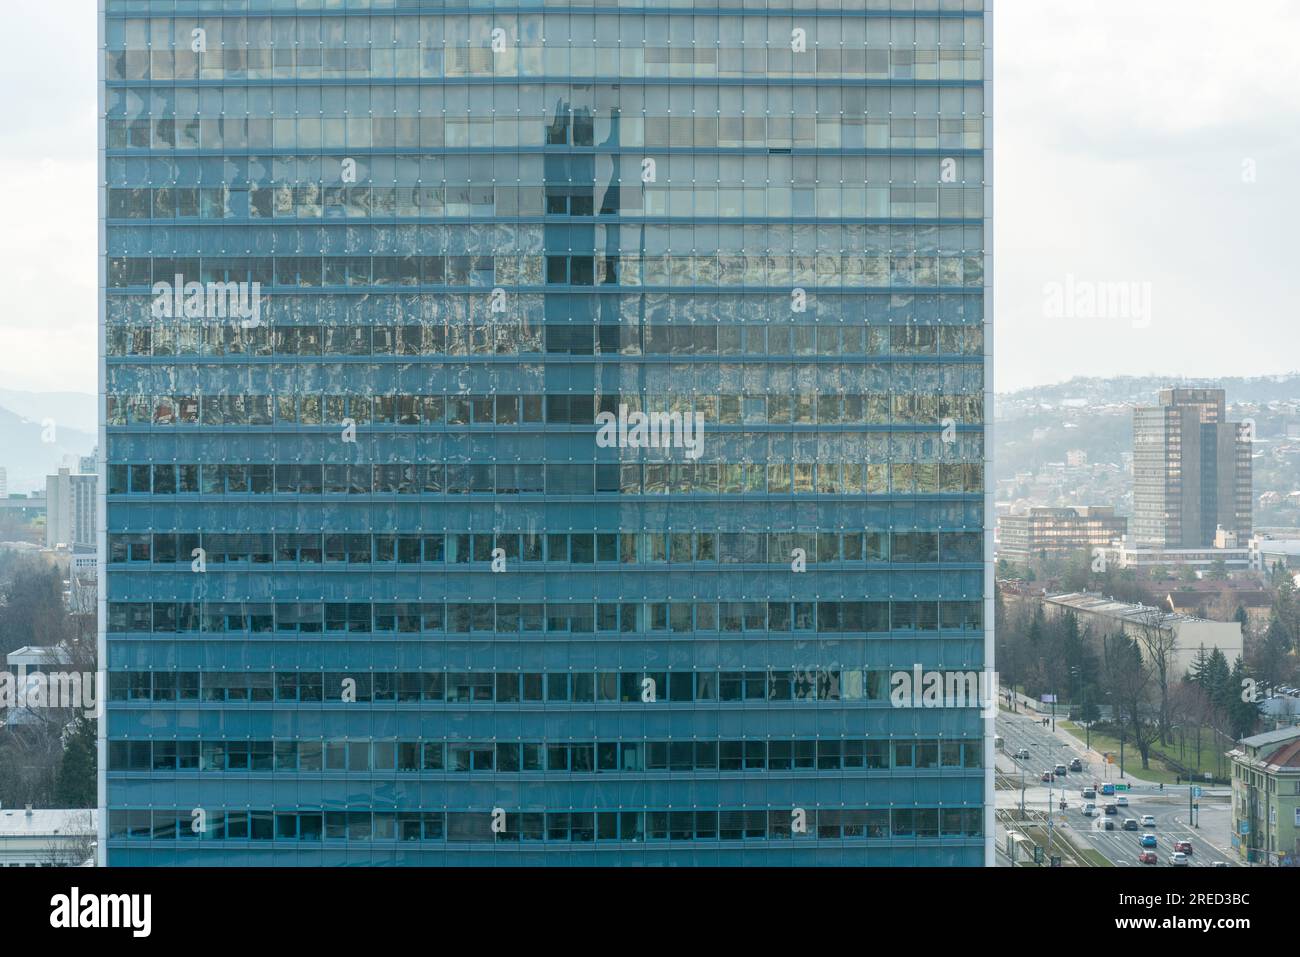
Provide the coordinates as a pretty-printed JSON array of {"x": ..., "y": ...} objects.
[
  {"x": 1184, "y": 846},
  {"x": 1148, "y": 857}
]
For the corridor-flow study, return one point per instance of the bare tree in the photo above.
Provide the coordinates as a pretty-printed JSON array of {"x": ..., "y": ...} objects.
[
  {"x": 74, "y": 847},
  {"x": 1158, "y": 644},
  {"x": 1131, "y": 681}
]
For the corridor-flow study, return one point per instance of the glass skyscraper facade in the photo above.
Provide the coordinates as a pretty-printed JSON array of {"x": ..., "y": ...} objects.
[{"x": 539, "y": 433}]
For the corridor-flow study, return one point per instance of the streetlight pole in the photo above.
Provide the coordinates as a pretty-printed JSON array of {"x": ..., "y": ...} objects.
[
  {"x": 1087, "y": 724},
  {"x": 1050, "y": 785},
  {"x": 1083, "y": 715}
]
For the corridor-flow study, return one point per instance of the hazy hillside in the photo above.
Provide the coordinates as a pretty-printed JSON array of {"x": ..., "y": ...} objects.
[
  {"x": 24, "y": 454},
  {"x": 74, "y": 410},
  {"x": 1039, "y": 425}
]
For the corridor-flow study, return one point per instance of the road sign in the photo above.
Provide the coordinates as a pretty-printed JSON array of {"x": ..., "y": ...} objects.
[
  {"x": 1049, "y": 699},
  {"x": 1196, "y": 791}
]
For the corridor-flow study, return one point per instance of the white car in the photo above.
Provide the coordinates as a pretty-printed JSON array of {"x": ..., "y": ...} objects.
[
  {"x": 1148, "y": 820},
  {"x": 1090, "y": 810},
  {"x": 1022, "y": 754},
  {"x": 1178, "y": 859},
  {"x": 1121, "y": 801}
]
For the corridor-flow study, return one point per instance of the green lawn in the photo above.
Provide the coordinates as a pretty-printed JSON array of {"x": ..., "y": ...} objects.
[{"x": 1160, "y": 771}]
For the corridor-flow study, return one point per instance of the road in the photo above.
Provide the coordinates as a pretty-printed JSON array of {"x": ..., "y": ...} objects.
[{"x": 1210, "y": 841}]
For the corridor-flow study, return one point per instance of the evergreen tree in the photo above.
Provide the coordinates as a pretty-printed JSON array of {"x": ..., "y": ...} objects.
[
  {"x": 75, "y": 785},
  {"x": 1196, "y": 670},
  {"x": 1242, "y": 710}
]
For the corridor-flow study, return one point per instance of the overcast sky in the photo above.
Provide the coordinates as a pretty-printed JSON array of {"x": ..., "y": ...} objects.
[{"x": 1153, "y": 143}]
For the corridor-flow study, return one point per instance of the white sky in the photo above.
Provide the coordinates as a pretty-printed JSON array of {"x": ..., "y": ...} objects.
[{"x": 1122, "y": 127}]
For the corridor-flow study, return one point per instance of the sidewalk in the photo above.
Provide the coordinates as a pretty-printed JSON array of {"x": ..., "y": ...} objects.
[{"x": 1030, "y": 706}]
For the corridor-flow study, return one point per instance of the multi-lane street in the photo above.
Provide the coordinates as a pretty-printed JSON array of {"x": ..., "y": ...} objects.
[{"x": 1210, "y": 840}]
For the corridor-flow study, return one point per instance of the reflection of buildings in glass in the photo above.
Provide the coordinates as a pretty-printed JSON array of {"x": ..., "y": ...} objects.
[{"x": 381, "y": 517}]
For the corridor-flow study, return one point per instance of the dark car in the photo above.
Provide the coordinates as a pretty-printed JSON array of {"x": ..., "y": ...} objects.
[
  {"x": 1109, "y": 825},
  {"x": 1130, "y": 824},
  {"x": 1076, "y": 765},
  {"x": 1111, "y": 809}
]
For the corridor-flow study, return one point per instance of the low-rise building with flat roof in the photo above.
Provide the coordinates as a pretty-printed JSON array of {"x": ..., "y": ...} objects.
[
  {"x": 1106, "y": 616},
  {"x": 44, "y": 837}
]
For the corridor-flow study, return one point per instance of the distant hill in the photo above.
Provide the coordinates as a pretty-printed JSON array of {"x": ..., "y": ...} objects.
[
  {"x": 1141, "y": 390},
  {"x": 73, "y": 410},
  {"x": 24, "y": 454},
  {"x": 1039, "y": 425}
]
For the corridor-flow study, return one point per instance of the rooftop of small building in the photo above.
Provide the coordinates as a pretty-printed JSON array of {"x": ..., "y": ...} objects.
[{"x": 47, "y": 822}]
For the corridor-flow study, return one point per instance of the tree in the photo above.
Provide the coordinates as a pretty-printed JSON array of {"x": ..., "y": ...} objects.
[
  {"x": 75, "y": 785},
  {"x": 1271, "y": 656},
  {"x": 76, "y": 846},
  {"x": 1158, "y": 643},
  {"x": 1078, "y": 571},
  {"x": 31, "y": 608},
  {"x": 1129, "y": 678},
  {"x": 47, "y": 753},
  {"x": 1243, "y": 709}
]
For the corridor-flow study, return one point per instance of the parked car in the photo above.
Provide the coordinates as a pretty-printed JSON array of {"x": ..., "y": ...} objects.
[
  {"x": 1148, "y": 857},
  {"x": 1183, "y": 847},
  {"x": 1148, "y": 820},
  {"x": 1148, "y": 840},
  {"x": 1022, "y": 754},
  {"x": 1122, "y": 801},
  {"x": 1130, "y": 824},
  {"x": 1111, "y": 809},
  {"x": 1178, "y": 859},
  {"x": 1076, "y": 765}
]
